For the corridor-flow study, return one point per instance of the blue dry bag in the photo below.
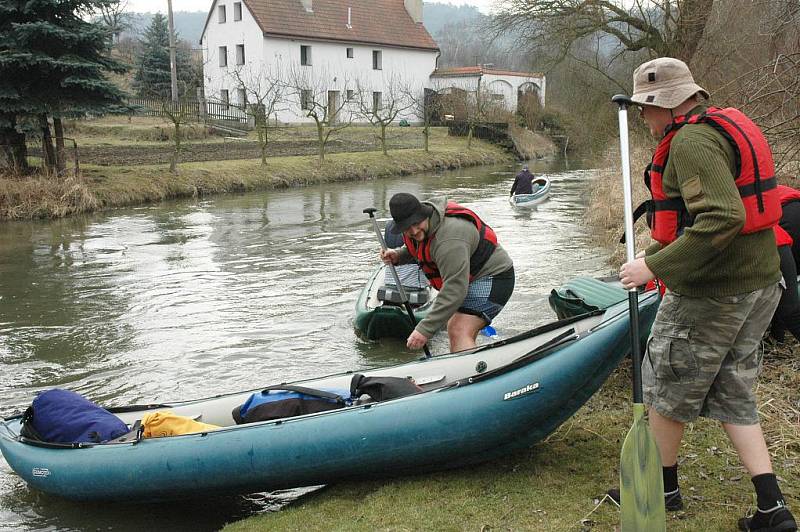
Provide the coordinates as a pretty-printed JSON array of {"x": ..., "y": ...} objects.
[{"x": 62, "y": 416}]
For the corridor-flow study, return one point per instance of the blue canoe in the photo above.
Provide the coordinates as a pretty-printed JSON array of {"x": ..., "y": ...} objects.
[
  {"x": 476, "y": 405},
  {"x": 541, "y": 189}
]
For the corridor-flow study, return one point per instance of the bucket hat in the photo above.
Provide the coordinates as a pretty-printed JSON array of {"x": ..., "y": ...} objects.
[
  {"x": 406, "y": 211},
  {"x": 664, "y": 82}
]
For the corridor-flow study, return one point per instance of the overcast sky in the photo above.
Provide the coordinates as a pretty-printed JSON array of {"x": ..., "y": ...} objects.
[{"x": 140, "y": 6}]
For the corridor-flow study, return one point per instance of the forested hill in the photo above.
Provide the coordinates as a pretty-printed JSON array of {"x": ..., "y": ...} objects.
[
  {"x": 189, "y": 24},
  {"x": 436, "y": 15}
]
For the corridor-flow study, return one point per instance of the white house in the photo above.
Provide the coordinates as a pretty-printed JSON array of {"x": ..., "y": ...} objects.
[
  {"x": 501, "y": 85},
  {"x": 328, "y": 50}
]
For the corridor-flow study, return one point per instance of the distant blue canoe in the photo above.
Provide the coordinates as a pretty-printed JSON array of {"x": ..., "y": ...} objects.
[
  {"x": 476, "y": 405},
  {"x": 541, "y": 189}
]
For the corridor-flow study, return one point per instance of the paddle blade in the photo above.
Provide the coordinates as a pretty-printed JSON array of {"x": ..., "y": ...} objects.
[{"x": 641, "y": 484}]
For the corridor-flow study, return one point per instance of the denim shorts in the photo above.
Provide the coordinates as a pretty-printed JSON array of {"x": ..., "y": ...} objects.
[
  {"x": 704, "y": 354},
  {"x": 487, "y": 296}
]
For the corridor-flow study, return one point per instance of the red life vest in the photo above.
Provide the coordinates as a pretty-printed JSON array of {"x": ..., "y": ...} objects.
[
  {"x": 782, "y": 238},
  {"x": 755, "y": 175},
  {"x": 786, "y": 194},
  {"x": 486, "y": 246}
]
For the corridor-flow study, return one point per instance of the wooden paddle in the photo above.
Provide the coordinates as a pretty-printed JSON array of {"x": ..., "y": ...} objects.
[
  {"x": 641, "y": 484},
  {"x": 403, "y": 298}
]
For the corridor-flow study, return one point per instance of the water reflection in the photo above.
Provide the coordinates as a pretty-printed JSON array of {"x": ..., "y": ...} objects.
[{"x": 193, "y": 298}]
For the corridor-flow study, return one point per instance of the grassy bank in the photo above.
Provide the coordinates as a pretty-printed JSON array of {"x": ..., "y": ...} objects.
[
  {"x": 559, "y": 483},
  {"x": 115, "y": 186}
]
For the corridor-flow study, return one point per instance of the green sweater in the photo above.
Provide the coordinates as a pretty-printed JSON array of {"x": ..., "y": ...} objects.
[
  {"x": 711, "y": 258},
  {"x": 456, "y": 240}
]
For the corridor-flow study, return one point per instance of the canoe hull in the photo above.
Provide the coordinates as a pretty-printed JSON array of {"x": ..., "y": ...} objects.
[
  {"x": 531, "y": 200},
  {"x": 482, "y": 418}
]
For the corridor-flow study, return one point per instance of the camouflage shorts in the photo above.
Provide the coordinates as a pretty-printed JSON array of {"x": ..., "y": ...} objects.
[{"x": 704, "y": 354}]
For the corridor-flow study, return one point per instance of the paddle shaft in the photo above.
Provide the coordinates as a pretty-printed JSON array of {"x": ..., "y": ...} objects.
[
  {"x": 641, "y": 484},
  {"x": 400, "y": 289},
  {"x": 633, "y": 293}
]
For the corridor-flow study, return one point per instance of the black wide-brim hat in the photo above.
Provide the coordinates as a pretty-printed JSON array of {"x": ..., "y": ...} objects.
[{"x": 406, "y": 211}]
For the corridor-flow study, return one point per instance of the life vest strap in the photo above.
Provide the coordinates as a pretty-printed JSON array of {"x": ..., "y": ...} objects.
[{"x": 750, "y": 190}]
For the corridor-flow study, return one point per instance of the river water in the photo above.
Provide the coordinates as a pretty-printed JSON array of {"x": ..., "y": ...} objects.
[{"x": 188, "y": 299}]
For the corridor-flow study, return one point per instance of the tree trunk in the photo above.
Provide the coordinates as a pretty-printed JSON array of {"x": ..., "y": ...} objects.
[
  {"x": 383, "y": 138},
  {"x": 13, "y": 151},
  {"x": 692, "y": 24},
  {"x": 173, "y": 164},
  {"x": 426, "y": 133},
  {"x": 469, "y": 136},
  {"x": 61, "y": 156},
  {"x": 262, "y": 142},
  {"x": 321, "y": 140},
  {"x": 48, "y": 153}
]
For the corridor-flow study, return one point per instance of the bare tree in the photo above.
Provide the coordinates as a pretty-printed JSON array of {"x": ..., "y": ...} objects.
[
  {"x": 425, "y": 104},
  {"x": 323, "y": 100},
  {"x": 115, "y": 17},
  {"x": 179, "y": 114},
  {"x": 381, "y": 108},
  {"x": 656, "y": 27},
  {"x": 265, "y": 94}
]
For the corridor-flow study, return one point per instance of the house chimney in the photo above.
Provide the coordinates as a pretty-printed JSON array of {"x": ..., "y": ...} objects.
[
  {"x": 307, "y": 5},
  {"x": 414, "y": 8}
]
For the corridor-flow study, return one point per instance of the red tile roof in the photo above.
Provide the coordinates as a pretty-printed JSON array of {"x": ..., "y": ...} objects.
[
  {"x": 383, "y": 22},
  {"x": 479, "y": 70}
]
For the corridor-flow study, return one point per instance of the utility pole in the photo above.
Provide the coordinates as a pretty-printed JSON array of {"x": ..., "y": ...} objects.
[{"x": 172, "y": 61}]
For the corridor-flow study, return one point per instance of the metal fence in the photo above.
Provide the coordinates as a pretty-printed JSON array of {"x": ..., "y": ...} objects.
[{"x": 198, "y": 110}]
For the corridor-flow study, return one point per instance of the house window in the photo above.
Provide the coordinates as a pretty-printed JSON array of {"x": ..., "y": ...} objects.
[
  {"x": 349, "y": 53},
  {"x": 350, "y": 95},
  {"x": 376, "y": 60},
  {"x": 376, "y": 102},
  {"x": 221, "y": 14},
  {"x": 306, "y": 99},
  {"x": 239, "y": 54},
  {"x": 223, "y": 56},
  {"x": 241, "y": 96},
  {"x": 305, "y": 55},
  {"x": 223, "y": 96},
  {"x": 237, "y": 11}
]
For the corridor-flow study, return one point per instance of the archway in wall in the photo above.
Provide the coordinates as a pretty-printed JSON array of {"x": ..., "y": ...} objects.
[
  {"x": 529, "y": 107},
  {"x": 453, "y": 103},
  {"x": 499, "y": 94}
]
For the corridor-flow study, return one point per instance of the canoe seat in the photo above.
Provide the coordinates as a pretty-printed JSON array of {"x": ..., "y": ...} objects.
[{"x": 390, "y": 294}]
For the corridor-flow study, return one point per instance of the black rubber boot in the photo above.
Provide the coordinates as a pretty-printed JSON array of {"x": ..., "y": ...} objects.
[{"x": 672, "y": 500}]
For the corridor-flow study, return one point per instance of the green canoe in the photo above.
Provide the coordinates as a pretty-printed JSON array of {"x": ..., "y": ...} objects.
[{"x": 378, "y": 318}]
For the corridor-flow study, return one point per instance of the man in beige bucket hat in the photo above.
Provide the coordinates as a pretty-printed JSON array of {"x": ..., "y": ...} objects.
[{"x": 711, "y": 217}]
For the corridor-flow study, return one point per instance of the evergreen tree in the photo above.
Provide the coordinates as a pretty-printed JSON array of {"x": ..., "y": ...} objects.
[
  {"x": 52, "y": 65},
  {"x": 152, "y": 76}
]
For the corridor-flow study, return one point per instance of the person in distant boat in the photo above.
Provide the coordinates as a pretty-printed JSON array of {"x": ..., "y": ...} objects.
[
  {"x": 714, "y": 206},
  {"x": 523, "y": 183},
  {"x": 462, "y": 259},
  {"x": 787, "y": 235}
]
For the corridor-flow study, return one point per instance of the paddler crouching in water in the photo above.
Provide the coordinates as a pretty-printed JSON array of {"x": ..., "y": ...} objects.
[{"x": 462, "y": 259}]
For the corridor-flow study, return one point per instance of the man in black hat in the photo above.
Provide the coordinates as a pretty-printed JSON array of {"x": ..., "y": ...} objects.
[{"x": 462, "y": 259}]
